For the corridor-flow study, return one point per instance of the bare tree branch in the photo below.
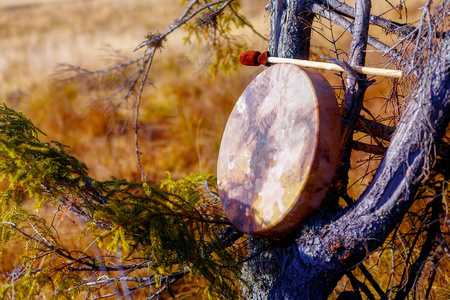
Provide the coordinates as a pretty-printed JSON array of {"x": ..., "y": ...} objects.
[
  {"x": 347, "y": 25},
  {"x": 428, "y": 246},
  {"x": 358, "y": 285},
  {"x": 369, "y": 277},
  {"x": 352, "y": 103},
  {"x": 374, "y": 128},
  {"x": 373, "y": 149},
  {"x": 348, "y": 11}
]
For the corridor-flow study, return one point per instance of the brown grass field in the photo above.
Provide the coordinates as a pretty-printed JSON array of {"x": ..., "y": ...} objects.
[{"x": 182, "y": 115}]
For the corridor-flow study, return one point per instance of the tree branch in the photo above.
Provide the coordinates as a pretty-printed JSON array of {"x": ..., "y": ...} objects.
[
  {"x": 374, "y": 128},
  {"x": 360, "y": 285},
  {"x": 348, "y": 11},
  {"x": 429, "y": 245},
  {"x": 369, "y": 277},
  {"x": 347, "y": 25},
  {"x": 373, "y": 149},
  {"x": 352, "y": 104}
]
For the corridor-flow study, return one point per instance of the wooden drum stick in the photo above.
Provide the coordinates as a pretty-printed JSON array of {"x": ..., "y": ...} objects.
[{"x": 256, "y": 58}]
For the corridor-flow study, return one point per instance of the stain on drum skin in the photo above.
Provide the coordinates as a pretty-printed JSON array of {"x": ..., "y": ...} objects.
[{"x": 278, "y": 151}]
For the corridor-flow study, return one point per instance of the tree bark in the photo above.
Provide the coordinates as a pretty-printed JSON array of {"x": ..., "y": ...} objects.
[{"x": 290, "y": 33}]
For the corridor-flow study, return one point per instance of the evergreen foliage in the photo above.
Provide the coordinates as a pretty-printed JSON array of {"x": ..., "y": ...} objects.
[{"x": 172, "y": 229}]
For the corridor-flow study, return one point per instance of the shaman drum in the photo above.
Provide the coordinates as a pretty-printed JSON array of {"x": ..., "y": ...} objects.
[{"x": 279, "y": 151}]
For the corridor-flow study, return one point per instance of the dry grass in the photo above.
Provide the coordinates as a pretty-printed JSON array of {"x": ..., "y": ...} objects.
[{"x": 182, "y": 117}]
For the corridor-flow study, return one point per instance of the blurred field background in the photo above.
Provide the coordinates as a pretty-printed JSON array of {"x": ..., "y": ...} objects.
[{"x": 182, "y": 116}]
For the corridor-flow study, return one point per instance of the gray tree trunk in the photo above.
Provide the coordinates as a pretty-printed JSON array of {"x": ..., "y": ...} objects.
[{"x": 330, "y": 244}]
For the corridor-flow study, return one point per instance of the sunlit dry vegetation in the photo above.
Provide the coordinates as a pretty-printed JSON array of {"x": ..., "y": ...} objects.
[{"x": 182, "y": 114}]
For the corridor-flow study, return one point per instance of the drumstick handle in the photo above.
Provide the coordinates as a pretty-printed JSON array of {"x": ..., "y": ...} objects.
[{"x": 334, "y": 67}]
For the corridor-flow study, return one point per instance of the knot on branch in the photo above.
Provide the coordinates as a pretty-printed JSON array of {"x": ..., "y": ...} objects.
[{"x": 155, "y": 40}]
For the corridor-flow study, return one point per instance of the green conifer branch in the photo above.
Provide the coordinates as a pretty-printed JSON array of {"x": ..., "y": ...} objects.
[{"x": 172, "y": 227}]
